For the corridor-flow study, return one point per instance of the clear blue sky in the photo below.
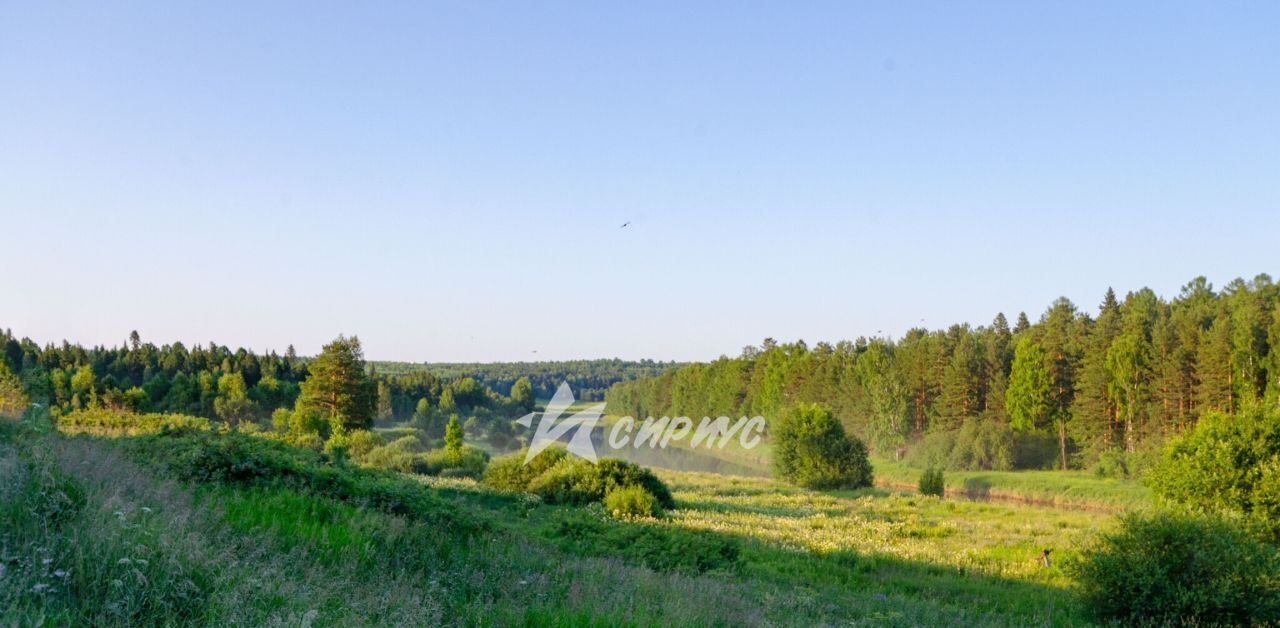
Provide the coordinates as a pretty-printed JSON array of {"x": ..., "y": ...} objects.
[{"x": 447, "y": 180}]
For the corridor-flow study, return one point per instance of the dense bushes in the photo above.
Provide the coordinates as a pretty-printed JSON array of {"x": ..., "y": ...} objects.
[
  {"x": 1179, "y": 569},
  {"x": 811, "y": 449},
  {"x": 101, "y": 421},
  {"x": 1228, "y": 463},
  {"x": 560, "y": 479}
]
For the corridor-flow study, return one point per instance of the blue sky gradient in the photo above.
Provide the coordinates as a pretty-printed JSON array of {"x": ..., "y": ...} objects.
[{"x": 447, "y": 180}]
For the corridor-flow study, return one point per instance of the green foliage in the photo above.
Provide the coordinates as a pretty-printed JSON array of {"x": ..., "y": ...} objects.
[
  {"x": 932, "y": 482},
  {"x": 657, "y": 546},
  {"x": 510, "y": 473},
  {"x": 338, "y": 387},
  {"x": 104, "y": 422},
  {"x": 560, "y": 479},
  {"x": 1027, "y": 398},
  {"x": 1178, "y": 569},
  {"x": 453, "y": 437},
  {"x": 630, "y": 502},
  {"x": 976, "y": 446},
  {"x": 355, "y": 444},
  {"x": 811, "y": 449},
  {"x": 239, "y": 459},
  {"x": 522, "y": 397},
  {"x": 1228, "y": 463},
  {"x": 13, "y": 398},
  {"x": 467, "y": 462},
  {"x": 232, "y": 403}
]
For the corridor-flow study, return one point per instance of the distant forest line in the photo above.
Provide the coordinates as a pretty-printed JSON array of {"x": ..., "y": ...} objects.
[
  {"x": 589, "y": 379},
  {"x": 215, "y": 381}
]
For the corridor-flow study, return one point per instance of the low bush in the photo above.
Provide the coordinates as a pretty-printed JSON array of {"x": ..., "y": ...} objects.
[
  {"x": 1168, "y": 568},
  {"x": 811, "y": 449},
  {"x": 932, "y": 482},
  {"x": 630, "y": 502}
]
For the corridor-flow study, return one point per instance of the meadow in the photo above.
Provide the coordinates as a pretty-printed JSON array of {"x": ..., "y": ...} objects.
[{"x": 197, "y": 526}]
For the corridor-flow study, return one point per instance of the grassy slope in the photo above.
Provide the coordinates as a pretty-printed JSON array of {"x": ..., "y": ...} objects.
[{"x": 268, "y": 552}]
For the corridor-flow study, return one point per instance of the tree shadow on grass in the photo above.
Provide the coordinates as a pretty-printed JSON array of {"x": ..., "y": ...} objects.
[{"x": 977, "y": 487}]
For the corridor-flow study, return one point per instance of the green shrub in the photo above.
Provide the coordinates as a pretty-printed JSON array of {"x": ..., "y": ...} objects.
[
  {"x": 570, "y": 481},
  {"x": 510, "y": 473},
  {"x": 811, "y": 449},
  {"x": 577, "y": 481},
  {"x": 932, "y": 482},
  {"x": 1179, "y": 569},
  {"x": 616, "y": 473},
  {"x": 1228, "y": 463},
  {"x": 630, "y": 502}
]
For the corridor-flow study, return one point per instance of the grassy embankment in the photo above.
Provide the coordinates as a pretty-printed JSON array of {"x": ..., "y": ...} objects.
[{"x": 208, "y": 527}]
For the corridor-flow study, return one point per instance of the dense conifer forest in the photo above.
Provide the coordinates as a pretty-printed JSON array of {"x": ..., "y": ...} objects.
[{"x": 1075, "y": 388}]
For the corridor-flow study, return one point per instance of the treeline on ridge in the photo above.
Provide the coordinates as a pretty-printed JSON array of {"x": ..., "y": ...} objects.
[{"x": 1071, "y": 390}]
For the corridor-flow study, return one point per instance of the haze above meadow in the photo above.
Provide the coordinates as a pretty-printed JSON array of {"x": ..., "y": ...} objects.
[{"x": 448, "y": 182}]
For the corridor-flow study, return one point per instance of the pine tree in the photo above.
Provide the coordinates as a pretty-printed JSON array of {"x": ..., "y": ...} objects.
[
  {"x": 1092, "y": 410},
  {"x": 962, "y": 383},
  {"x": 1060, "y": 339},
  {"x": 1213, "y": 368},
  {"x": 338, "y": 387},
  {"x": 1023, "y": 323},
  {"x": 453, "y": 438}
]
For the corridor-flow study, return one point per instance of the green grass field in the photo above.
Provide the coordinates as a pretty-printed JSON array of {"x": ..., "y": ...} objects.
[{"x": 141, "y": 534}]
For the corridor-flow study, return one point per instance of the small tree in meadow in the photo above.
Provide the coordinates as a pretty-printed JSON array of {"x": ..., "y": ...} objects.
[
  {"x": 932, "y": 482},
  {"x": 811, "y": 449}
]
